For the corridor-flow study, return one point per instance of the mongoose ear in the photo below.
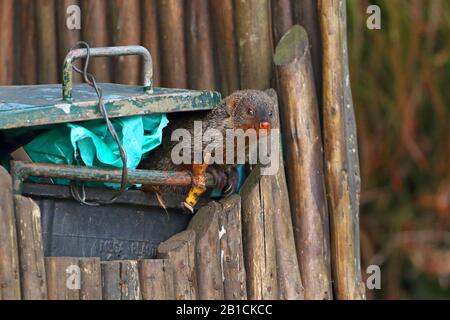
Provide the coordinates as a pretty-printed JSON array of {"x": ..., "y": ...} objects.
[
  {"x": 271, "y": 93},
  {"x": 231, "y": 102}
]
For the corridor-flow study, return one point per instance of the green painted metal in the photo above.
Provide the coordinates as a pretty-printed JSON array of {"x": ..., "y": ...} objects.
[{"x": 26, "y": 106}]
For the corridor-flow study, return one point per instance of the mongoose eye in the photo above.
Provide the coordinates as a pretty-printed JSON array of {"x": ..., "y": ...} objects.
[
  {"x": 250, "y": 112},
  {"x": 270, "y": 113}
]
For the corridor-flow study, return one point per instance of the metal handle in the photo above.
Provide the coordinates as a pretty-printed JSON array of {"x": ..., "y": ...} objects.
[{"x": 106, "y": 52}]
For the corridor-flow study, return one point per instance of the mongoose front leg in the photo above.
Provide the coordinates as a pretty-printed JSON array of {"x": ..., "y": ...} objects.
[{"x": 198, "y": 186}]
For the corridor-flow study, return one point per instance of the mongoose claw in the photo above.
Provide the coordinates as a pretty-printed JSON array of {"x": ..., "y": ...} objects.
[
  {"x": 232, "y": 182},
  {"x": 187, "y": 207}
]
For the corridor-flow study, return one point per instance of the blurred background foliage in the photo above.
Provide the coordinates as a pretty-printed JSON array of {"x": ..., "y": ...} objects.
[{"x": 400, "y": 80}]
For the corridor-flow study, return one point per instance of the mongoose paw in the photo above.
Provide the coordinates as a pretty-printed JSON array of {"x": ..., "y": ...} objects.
[
  {"x": 219, "y": 175},
  {"x": 232, "y": 182}
]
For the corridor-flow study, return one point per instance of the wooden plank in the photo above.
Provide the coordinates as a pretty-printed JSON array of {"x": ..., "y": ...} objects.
[
  {"x": 46, "y": 39},
  {"x": 7, "y": 42},
  {"x": 95, "y": 32},
  {"x": 63, "y": 278},
  {"x": 129, "y": 276},
  {"x": 282, "y": 18},
  {"x": 180, "y": 251},
  {"x": 31, "y": 252},
  {"x": 150, "y": 38},
  {"x": 28, "y": 46},
  {"x": 258, "y": 237},
  {"x": 126, "y": 30},
  {"x": 172, "y": 43},
  {"x": 222, "y": 18},
  {"x": 9, "y": 261},
  {"x": 341, "y": 154},
  {"x": 111, "y": 282},
  {"x": 254, "y": 43},
  {"x": 156, "y": 279},
  {"x": 200, "y": 60},
  {"x": 301, "y": 127},
  {"x": 231, "y": 250},
  {"x": 205, "y": 223},
  {"x": 91, "y": 279}
]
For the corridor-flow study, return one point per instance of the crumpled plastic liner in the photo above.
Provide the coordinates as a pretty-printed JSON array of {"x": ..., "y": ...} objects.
[{"x": 90, "y": 143}]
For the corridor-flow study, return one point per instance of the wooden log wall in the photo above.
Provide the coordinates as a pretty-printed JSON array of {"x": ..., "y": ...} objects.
[{"x": 284, "y": 236}]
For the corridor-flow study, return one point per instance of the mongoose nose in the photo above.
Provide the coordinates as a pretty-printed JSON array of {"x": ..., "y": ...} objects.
[{"x": 264, "y": 125}]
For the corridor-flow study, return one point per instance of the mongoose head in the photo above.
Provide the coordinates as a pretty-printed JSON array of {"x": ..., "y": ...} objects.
[{"x": 252, "y": 109}]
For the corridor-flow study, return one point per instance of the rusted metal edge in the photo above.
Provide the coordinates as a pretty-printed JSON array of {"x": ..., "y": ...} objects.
[{"x": 20, "y": 171}]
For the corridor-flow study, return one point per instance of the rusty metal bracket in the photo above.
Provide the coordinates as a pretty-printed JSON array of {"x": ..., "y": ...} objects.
[
  {"x": 75, "y": 54},
  {"x": 20, "y": 171}
]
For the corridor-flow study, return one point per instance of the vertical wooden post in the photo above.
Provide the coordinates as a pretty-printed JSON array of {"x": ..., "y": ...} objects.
[
  {"x": 91, "y": 279},
  {"x": 180, "y": 251},
  {"x": 9, "y": 261},
  {"x": 126, "y": 31},
  {"x": 156, "y": 279},
  {"x": 205, "y": 223},
  {"x": 222, "y": 17},
  {"x": 129, "y": 275},
  {"x": 111, "y": 282},
  {"x": 31, "y": 252},
  {"x": 199, "y": 46},
  {"x": 150, "y": 36},
  {"x": 95, "y": 33},
  {"x": 282, "y": 18},
  {"x": 46, "y": 38},
  {"x": 173, "y": 48},
  {"x": 301, "y": 128},
  {"x": 27, "y": 46},
  {"x": 231, "y": 250},
  {"x": 341, "y": 154},
  {"x": 7, "y": 42},
  {"x": 258, "y": 237},
  {"x": 120, "y": 280},
  {"x": 254, "y": 43},
  {"x": 61, "y": 273}
]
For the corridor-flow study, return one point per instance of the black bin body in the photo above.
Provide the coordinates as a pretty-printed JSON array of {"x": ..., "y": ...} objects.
[{"x": 130, "y": 229}]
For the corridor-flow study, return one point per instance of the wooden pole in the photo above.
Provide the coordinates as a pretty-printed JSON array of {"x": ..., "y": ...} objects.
[
  {"x": 173, "y": 50},
  {"x": 111, "y": 282},
  {"x": 63, "y": 278},
  {"x": 66, "y": 37},
  {"x": 258, "y": 237},
  {"x": 27, "y": 47},
  {"x": 156, "y": 279},
  {"x": 180, "y": 251},
  {"x": 282, "y": 18},
  {"x": 341, "y": 154},
  {"x": 254, "y": 43},
  {"x": 205, "y": 223},
  {"x": 222, "y": 18},
  {"x": 231, "y": 250},
  {"x": 289, "y": 279},
  {"x": 95, "y": 33},
  {"x": 301, "y": 128},
  {"x": 91, "y": 279},
  {"x": 7, "y": 42},
  {"x": 31, "y": 252},
  {"x": 9, "y": 261},
  {"x": 199, "y": 46},
  {"x": 120, "y": 280},
  {"x": 305, "y": 14},
  {"x": 46, "y": 38},
  {"x": 126, "y": 30},
  {"x": 150, "y": 39}
]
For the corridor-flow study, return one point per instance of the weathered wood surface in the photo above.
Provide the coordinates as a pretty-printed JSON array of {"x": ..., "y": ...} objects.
[
  {"x": 95, "y": 31},
  {"x": 231, "y": 250},
  {"x": 222, "y": 18},
  {"x": 254, "y": 43},
  {"x": 63, "y": 278},
  {"x": 126, "y": 30},
  {"x": 9, "y": 260},
  {"x": 150, "y": 40},
  {"x": 341, "y": 154},
  {"x": 120, "y": 280},
  {"x": 156, "y": 279},
  {"x": 111, "y": 282},
  {"x": 180, "y": 251},
  {"x": 258, "y": 237},
  {"x": 46, "y": 40},
  {"x": 201, "y": 75},
  {"x": 282, "y": 18},
  {"x": 7, "y": 42},
  {"x": 205, "y": 223},
  {"x": 91, "y": 279},
  {"x": 31, "y": 252},
  {"x": 27, "y": 49},
  {"x": 172, "y": 43},
  {"x": 301, "y": 127}
]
